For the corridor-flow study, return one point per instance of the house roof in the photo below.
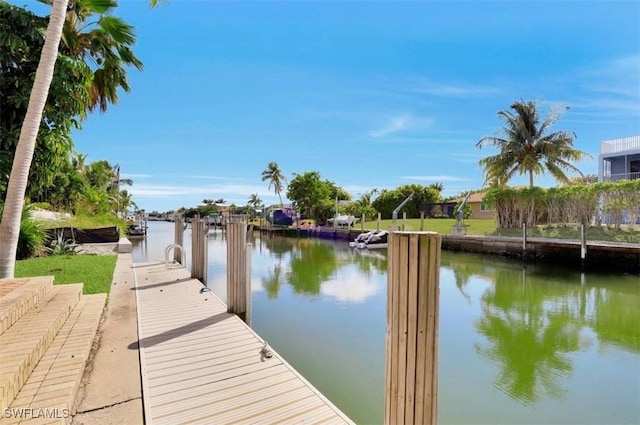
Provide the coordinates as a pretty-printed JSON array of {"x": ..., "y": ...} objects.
[{"x": 474, "y": 197}]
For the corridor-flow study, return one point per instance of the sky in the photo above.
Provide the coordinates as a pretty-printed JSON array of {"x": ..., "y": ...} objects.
[{"x": 371, "y": 94}]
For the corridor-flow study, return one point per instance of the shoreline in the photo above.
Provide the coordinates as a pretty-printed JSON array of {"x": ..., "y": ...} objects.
[{"x": 600, "y": 255}]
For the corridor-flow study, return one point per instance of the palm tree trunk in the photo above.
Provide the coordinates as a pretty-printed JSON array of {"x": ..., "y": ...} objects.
[
  {"x": 281, "y": 204},
  {"x": 531, "y": 178},
  {"x": 10, "y": 224}
]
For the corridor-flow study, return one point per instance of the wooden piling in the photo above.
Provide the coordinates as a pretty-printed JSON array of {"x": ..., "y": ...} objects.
[
  {"x": 362, "y": 222},
  {"x": 238, "y": 265},
  {"x": 179, "y": 240},
  {"x": 583, "y": 243},
  {"x": 379, "y": 218},
  {"x": 404, "y": 221},
  {"x": 411, "y": 361},
  {"x": 198, "y": 248}
]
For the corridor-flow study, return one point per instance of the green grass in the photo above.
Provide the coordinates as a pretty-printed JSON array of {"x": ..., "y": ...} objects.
[
  {"x": 573, "y": 232},
  {"x": 94, "y": 271},
  {"x": 488, "y": 228},
  {"x": 440, "y": 225}
]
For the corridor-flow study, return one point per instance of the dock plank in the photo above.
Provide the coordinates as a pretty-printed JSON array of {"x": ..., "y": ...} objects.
[{"x": 201, "y": 364}]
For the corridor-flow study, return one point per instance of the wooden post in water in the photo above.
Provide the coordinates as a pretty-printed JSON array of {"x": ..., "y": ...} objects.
[
  {"x": 247, "y": 313},
  {"x": 421, "y": 221},
  {"x": 178, "y": 239},
  {"x": 411, "y": 361},
  {"x": 379, "y": 218},
  {"x": 362, "y": 223},
  {"x": 238, "y": 277},
  {"x": 198, "y": 249},
  {"x": 524, "y": 239},
  {"x": 583, "y": 244}
]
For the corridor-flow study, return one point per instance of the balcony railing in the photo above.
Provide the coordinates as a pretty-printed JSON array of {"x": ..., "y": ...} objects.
[
  {"x": 622, "y": 176},
  {"x": 620, "y": 145}
]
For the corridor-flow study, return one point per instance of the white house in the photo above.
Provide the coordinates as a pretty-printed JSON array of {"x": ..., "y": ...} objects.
[{"x": 619, "y": 159}]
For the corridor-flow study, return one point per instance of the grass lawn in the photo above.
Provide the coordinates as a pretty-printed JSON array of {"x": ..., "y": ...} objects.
[
  {"x": 488, "y": 228},
  {"x": 440, "y": 225},
  {"x": 94, "y": 271}
]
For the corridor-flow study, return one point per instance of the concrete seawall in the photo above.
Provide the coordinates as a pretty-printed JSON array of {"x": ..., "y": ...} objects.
[
  {"x": 620, "y": 257},
  {"x": 605, "y": 256}
]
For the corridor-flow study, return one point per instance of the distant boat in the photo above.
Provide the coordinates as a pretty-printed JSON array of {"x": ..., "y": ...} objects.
[
  {"x": 361, "y": 238},
  {"x": 136, "y": 228},
  {"x": 377, "y": 240}
]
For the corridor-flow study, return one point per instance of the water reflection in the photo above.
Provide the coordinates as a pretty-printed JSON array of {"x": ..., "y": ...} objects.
[
  {"x": 311, "y": 268},
  {"x": 517, "y": 345},
  {"x": 535, "y": 320}
]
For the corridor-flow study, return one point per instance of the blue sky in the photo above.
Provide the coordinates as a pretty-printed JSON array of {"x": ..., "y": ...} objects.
[{"x": 372, "y": 94}]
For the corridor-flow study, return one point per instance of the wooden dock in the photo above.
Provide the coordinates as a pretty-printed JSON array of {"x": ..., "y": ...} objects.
[{"x": 202, "y": 365}]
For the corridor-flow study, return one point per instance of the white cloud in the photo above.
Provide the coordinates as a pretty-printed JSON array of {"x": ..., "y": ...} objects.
[
  {"x": 393, "y": 125},
  {"x": 201, "y": 177},
  {"x": 160, "y": 190},
  {"x": 618, "y": 77},
  {"x": 443, "y": 89},
  {"x": 610, "y": 89},
  {"x": 440, "y": 178},
  {"x": 402, "y": 123},
  {"x": 136, "y": 176},
  {"x": 350, "y": 288}
]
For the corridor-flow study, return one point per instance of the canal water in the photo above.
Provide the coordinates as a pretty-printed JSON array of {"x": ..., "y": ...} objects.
[{"x": 517, "y": 345}]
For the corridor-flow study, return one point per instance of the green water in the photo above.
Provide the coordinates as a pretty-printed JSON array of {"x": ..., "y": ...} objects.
[{"x": 516, "y": 344}]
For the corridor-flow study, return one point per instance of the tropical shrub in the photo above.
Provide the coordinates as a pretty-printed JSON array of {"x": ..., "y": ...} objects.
[
  {"x": 616, "y": 203},
  {"x": 32, "y": 236},
  {"x": 466, "y": 210},
  {"x": 62, "y": 246}
]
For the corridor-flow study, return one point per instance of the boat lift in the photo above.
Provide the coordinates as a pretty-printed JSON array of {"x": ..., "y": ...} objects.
[
  {"x": 394, "y": 214},
  {"x": 459, "y": 213}
]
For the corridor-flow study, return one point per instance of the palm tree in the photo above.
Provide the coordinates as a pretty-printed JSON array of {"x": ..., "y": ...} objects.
[
  {"x": 528, "y": 148},
  {"x": 437, "y": 186},
  {"x": 254, "y": 201},
  {"x": 10, "y": 223},
  {"x": 91, "y": 33},
  {"x": 273, "y": 173}
]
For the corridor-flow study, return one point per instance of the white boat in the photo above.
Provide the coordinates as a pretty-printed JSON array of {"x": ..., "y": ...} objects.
[
  {"x": 376, "y": 240},
  {"x": 361, "y": 238}
]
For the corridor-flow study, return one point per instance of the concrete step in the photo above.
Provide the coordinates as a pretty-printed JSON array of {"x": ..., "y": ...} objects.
[
  {"x": 25, "y": 342},
  {"x": 51, "y": 389},
  {"x": 18, "y": 296}
]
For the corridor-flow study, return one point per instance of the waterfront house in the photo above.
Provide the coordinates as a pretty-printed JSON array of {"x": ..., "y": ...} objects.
[
  {"x": 478, "y": 208},
  {"x": 619, "y": 159}
]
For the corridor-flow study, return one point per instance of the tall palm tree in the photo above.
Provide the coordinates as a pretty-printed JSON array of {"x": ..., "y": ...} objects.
[
  {"x": 273, "y": 173},
  {"x": 91, "y": 33},
  {"x": 10, "y": 223},
  {"x": 527, "y": 148},
  {"x": 254, "y": 201}
]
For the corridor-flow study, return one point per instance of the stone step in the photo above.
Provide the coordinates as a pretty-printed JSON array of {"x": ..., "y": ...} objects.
[
  {"x": 25, "y": 342},
  {"x": 49, "y": 393},
  {"x": 18, "y": 296}
]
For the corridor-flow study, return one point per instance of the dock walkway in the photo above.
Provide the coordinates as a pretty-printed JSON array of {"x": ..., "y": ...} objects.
[{"x": 202, "y": 365}]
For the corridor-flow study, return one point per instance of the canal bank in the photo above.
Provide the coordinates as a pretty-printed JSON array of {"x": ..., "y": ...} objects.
[
  {"x": 519, "y": 344},
  {"x": 598, "y": 255}
]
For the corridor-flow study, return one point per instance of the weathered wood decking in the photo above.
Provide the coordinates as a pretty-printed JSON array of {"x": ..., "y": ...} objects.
[{"x": 201, "y": 364}]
